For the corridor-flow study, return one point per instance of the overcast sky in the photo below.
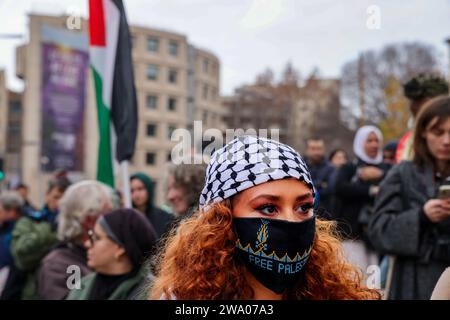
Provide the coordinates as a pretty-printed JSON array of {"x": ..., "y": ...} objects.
[{"x": 251, "y": 35}]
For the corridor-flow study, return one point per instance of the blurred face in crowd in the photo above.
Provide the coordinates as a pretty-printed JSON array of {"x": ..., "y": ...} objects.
[
  {"x": 389, "y": 156},
  {"x": 315, "y": 150},
  {"x": 52, "y": 198},
  {"x": 139, "y": 194},
  {"x": 23, "y": 192},
  {"x": 177, "y": 197},
  {"x": 287, "y": 199},
  {"x": 339, "y": 159},
  {"x": 437, "y": 137},
  {"x": 372, "y": 145},
  {"x": 6, "y": 215},
  {"x": 103, "y": 254},
  {"x": 89, "y": 221}
]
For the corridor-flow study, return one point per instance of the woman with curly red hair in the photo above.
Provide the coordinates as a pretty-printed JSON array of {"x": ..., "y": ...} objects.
[{"x": 256, "y": 235}]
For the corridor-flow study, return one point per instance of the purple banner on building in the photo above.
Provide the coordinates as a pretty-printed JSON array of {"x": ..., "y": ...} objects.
[{"x": 64, "y": 75}]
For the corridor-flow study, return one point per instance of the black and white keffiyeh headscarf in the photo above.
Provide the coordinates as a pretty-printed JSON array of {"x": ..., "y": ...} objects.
[{"x": 248, "y": 161}]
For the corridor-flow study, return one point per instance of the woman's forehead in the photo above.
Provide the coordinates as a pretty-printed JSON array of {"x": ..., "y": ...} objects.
[
  {"x": 280, "y": 188},
  {"x": 439, "y": 122},
  {"x": 372, "y": 135}
]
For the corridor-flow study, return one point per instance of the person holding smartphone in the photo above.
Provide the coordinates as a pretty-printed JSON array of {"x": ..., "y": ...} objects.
[{"x": 411, "y": 217}]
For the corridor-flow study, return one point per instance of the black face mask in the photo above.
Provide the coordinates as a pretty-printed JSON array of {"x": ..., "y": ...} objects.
[{"x": 274, "y": 251}]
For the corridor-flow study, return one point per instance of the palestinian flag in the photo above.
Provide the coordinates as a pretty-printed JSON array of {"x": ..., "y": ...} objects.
[{"x": 112, "y": 69}]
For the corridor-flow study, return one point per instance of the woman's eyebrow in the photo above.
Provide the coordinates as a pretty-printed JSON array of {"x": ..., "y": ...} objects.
[
  {"x": 266, "y": 196},
  {"x": 306, "y": 196},
  {"x": 272, "y": 197}
]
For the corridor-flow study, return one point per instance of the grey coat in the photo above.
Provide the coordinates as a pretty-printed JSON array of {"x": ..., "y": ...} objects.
[{"x": 399, "y": 227}]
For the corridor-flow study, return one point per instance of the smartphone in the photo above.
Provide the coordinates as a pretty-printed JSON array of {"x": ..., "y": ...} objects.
[{"x": 444, "y": 192}]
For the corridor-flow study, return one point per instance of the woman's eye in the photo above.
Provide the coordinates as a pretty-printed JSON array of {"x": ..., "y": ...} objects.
[
  {"x": 305, "y": 207},
  {"x": 267, "y": 209},
  {"x": 437, "y": 132}
]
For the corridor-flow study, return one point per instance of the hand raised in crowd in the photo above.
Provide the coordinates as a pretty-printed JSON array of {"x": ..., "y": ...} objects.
[
  {"x": 370, "y": 173},
  {"x": 437, "y": 210}
]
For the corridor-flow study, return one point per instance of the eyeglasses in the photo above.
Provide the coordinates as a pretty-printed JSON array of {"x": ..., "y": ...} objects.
[{"x": 92, "y": 237}]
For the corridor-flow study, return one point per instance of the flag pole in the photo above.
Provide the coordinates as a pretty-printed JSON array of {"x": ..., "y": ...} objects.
[{"x": 126, "y": 184}]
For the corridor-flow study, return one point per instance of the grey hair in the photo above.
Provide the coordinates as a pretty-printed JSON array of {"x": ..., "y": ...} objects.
[
  {"x": 189, "y": 177},
  {"x": 82, "y": 199},
  {"x": 11, "y": 200}
]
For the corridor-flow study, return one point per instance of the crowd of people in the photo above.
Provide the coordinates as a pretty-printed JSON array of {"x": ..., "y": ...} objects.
[{"x": 259, "y": 221}]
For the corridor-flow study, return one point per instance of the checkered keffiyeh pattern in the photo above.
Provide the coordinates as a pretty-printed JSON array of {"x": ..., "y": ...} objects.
[{"x": 248, "y": 161}]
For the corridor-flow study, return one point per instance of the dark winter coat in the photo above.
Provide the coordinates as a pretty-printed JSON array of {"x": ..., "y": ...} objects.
[
  {"x": 399, "y": 227},
  {"x": 321, "y": 175},
  {"x": 352, "y": 196},
  {"x": 54, "y": 272},
  {"x": 161, "y": 220}
]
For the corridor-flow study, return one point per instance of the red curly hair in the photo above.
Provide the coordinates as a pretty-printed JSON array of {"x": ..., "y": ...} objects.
[{"x": 197, "y": 262}]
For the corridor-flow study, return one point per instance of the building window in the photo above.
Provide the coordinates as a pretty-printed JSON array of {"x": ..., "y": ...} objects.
[
  {"x": 170, "y": 130},
  {"x": 152, "y": 44},
  {"x": 152, "y": 101},
  {"x": 205, "y": 91},
  {"x": 15, "y": 107},
  {"x": 173, "y": 76},
  {"x": 133, "y": 41},
  {"x": 152, "y": 72},
  {"x": 205, "y": 116},
  {"x": 150, "y": 158},
  {"x": 172, "y": 104},
  {"x": 205, "y": 65},
  {"x": 151, "y": 130},
  {"x": 173, "y": 48}
]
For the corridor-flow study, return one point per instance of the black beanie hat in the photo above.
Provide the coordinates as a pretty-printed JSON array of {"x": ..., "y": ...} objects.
[
  {"x": 131, "y": 230},
  {"x": 425, "y": 86}
]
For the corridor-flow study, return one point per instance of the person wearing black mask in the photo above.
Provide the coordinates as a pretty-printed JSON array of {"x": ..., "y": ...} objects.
[
  {"x": 256, "y": 234},
  {"x": 117, "y": 248}
]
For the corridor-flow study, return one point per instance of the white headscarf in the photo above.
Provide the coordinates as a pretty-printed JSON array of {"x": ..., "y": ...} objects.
[{"x": 360, "y": 139}]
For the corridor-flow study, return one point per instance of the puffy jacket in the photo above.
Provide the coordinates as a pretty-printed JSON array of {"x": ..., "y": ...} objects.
[{"x": 31, "y": 241}]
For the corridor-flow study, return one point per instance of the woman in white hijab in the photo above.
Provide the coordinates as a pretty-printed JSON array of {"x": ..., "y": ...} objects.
[
  {"x": 356, "y": 187},
  {"x": 367, "y": 145}
]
